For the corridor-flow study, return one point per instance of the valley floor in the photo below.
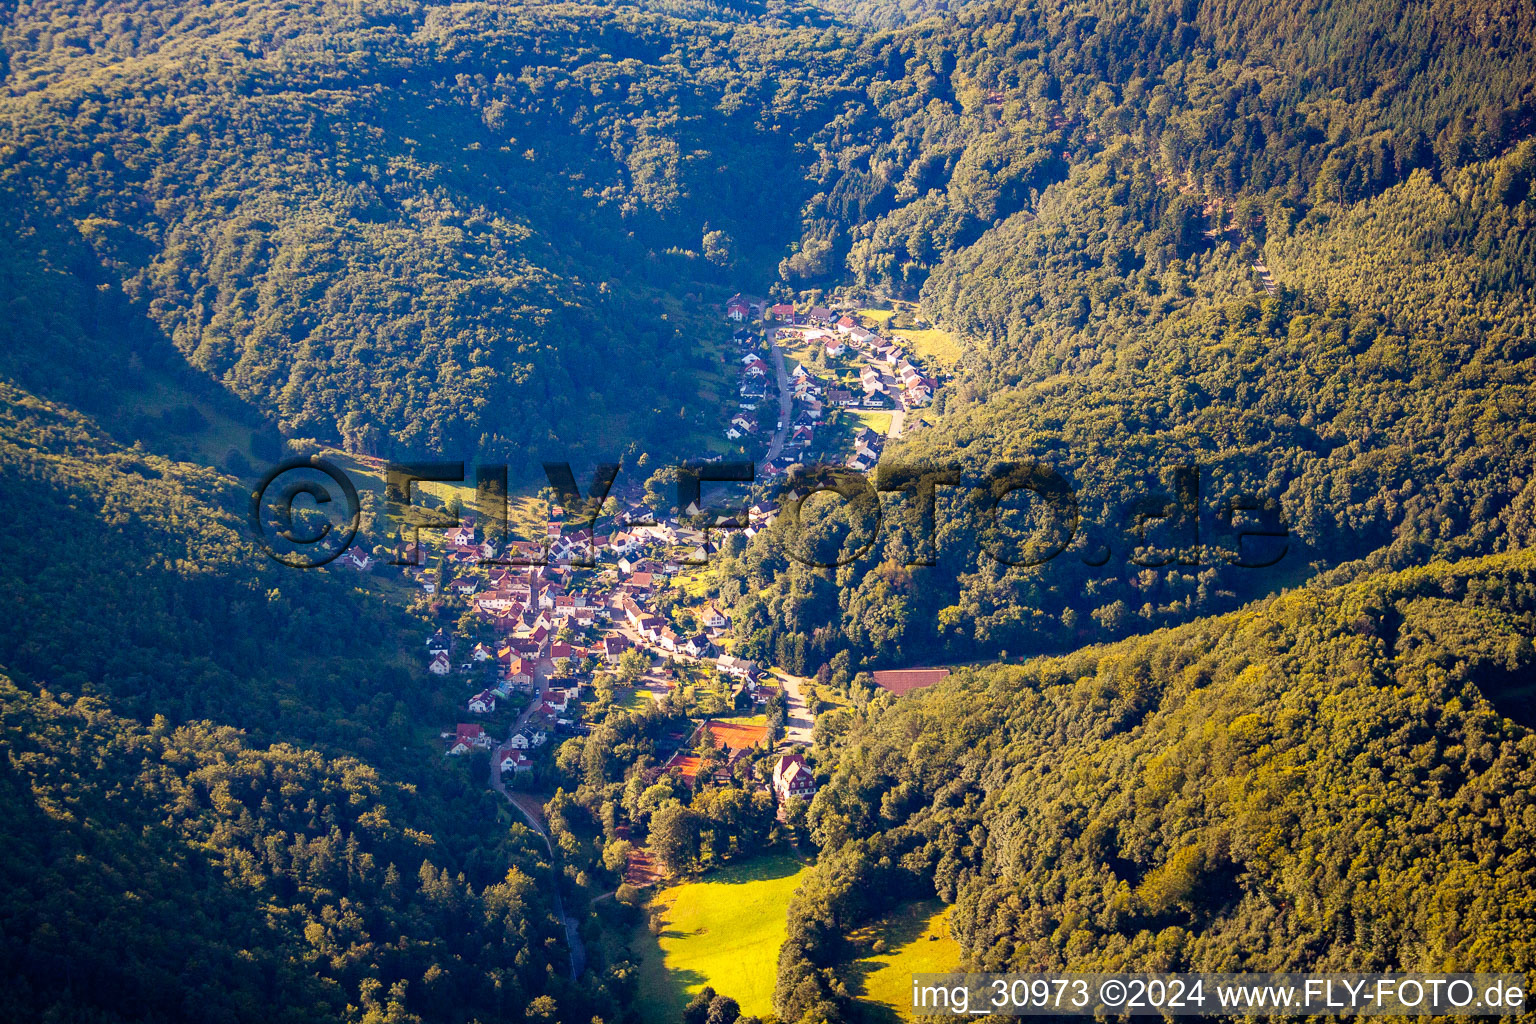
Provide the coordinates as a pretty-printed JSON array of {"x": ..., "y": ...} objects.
[{"x": 723, "y": 931}]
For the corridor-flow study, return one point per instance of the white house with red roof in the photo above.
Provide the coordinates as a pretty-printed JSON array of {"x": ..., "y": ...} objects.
[
  {"x": 792, "y": 778},
  {"x": 515, "y": 761},
  {"x": 467, "y": 737}
]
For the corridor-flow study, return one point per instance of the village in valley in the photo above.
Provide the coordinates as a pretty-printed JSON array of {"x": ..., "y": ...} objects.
[
  {"x": 547, "y": 635},
  {"x": 845, "y": 377}
]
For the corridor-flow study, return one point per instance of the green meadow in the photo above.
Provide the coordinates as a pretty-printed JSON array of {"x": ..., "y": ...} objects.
[
  {"x": 913, "y": 940},
  {"x": 723, "y": 931}
]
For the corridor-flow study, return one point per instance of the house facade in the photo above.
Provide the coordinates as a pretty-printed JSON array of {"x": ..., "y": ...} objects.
[{"x": 792, "y": 778}]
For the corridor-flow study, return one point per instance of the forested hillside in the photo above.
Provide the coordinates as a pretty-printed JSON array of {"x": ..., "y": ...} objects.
[
  {"x": 1291, "y": 246},
  {"x": 414, "y": 228},
  {"x": 1379, "y": 399},
  {"x": 467, "y": 228},
  {"x": 1230, "y": 795},
  {"x": 1165, "y": 245},
  {"x": 157, "y": 872},
  {"x": 135, "y": 578},
  {"x": 1228, "y": 101},
  {"x": 216, "y": 777}
]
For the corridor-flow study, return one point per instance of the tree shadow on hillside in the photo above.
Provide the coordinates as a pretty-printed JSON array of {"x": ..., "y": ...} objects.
[
  {"x": 1512, "y": 693},
  {"x": 867, "y": 1012},
  {"x": 767, "y": 867},
  {"x": 76, "y": 338},
  {"x": 1488, "y": 646},
  {"x": 902, "y": 928},
  {"x": 665, "y": 990}
]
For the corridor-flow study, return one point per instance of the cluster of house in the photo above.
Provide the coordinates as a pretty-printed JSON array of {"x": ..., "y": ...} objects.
[
  {"x": 889, "y": 375},
  {"x": 549, "y": 623},
  {"x": 736, "y": 741},
  {"x": 511, "y": 755},
  {"x": 755, "y": 415},
  {"x": 811, "y": 395},
  {"x": 657, "y": 631},
  {"x": 476, "y": 564}
]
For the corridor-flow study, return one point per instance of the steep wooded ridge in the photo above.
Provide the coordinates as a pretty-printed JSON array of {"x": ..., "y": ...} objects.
[
  {"x": 178, "y": 873},
  {"x": 416, "y": 228},
  {"x": 1380, "y": 399},
  {"x": 476, "y": 228},
  {"x": 220, "y": 806},
  {"x": 1086, "y": 192},
  {"x": 1340, "y": 778}
]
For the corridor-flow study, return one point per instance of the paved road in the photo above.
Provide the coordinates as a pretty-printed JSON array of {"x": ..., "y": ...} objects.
[
  {"x": 535, "y": 821},
  {"x": 898, "y": 421},
  {"x": 782, "y": 434},
  {"x": 798, "y": 721}
]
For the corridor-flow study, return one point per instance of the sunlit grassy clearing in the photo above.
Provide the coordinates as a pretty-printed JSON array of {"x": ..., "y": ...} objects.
[
  {"x": 931, "y": 345},
  {"x": 916, "y": 940},
  {"x": 725, "y": 932}
]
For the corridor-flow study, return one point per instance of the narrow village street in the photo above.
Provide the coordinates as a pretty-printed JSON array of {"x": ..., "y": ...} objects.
[
  {"x": 798, "y": 721},
  {"x": 786, "y": 407}
]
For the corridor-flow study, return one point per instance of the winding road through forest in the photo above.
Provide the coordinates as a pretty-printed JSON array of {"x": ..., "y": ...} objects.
[{"x": 529, "y": 807}]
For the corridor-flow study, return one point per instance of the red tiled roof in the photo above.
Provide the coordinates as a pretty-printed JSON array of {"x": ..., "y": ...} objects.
[{"x": 904, "y": 680}]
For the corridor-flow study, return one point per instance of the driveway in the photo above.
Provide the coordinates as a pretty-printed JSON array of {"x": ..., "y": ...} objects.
[{"x": 798, "y": 721}]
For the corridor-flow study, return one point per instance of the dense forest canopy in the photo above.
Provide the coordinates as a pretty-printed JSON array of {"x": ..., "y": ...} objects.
[
  {"x": 1092, "y": 197},
  {"x": 413, "y": 228},
  {"x": 469, "y": 227},
  {"x": 1231, "y": 795},
  {"x": 1289, "y": 245},
  {"x": 188, "y": 726},
  {"x": 177, "y": 873}
]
